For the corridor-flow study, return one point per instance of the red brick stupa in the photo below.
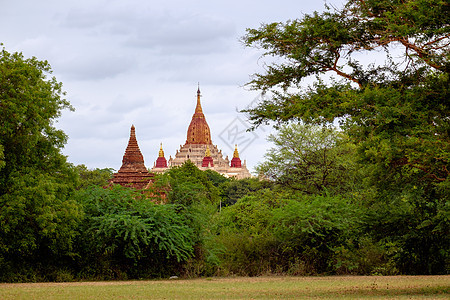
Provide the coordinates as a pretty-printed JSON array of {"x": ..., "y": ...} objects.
[{"x": 133, "y": 172}]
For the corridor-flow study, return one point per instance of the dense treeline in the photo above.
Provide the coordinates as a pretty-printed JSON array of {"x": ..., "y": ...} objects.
[
  {"x": 211, "y": 225},
  {"x": 368, "y": 197}
]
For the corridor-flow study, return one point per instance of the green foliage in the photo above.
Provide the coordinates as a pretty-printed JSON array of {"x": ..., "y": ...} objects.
[
  {"x": 272, "y": 232},
  {"x": 197, "y": 193},
  {"x": 243, "y": 230},
  {"x": 308, "y": 229},
  {"x": 38, "y": 219},
  {"x": 188, "y": 185},
  {"x": 216, "y": 179},
  {"x": 398, "y": 116},
  {"x": 396, "y": 113},
  {"x": 29, "y": 104},
  {"x": 251, "y": 213},
  {"x": 310, "y": 159},
  {"x": 37, "y": 212},
  {"x": 233, "y": 190},
  {"x": 199, "y": 217},
  {"x": 125, "y": 232},
  {"x": 321, "y": 216},
  {"x": 330, "y": 41},
  {"x": 364, "y": 256},
  {"x": 2, "y": 157},
  {"x": 417, "y": 226},
  {"x": 98, "y": 177}
]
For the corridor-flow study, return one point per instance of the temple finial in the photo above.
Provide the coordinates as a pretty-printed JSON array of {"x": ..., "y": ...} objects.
[
  {"x": 236, "y": 153},
  {"x": 207, "y": 152},
  {"x": 198, "y": 108},
  {"x": 161, "y": 151}
]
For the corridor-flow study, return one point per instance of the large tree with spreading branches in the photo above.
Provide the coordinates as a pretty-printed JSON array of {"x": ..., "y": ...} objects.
[{"x": 395, "y": 110}]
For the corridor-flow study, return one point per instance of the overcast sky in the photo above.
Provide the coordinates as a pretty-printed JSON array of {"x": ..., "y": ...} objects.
[{"x": 139, "y": 62}]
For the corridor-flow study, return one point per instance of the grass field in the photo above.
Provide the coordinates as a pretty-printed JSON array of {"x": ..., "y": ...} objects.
[{"x": 352, "y": 287}]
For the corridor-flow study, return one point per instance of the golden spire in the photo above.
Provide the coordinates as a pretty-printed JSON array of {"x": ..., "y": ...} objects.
[
  {"x": 161, "y": 151},
  {"x": 207, "y": 152},
  {"x": 236, "y": 153}
]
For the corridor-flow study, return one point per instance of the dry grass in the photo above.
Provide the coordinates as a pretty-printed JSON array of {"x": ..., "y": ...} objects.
[{"x": 351, "y": 287}]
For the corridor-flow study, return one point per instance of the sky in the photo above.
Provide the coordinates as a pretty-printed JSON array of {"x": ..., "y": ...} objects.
[{"x": 140, "y": 62}]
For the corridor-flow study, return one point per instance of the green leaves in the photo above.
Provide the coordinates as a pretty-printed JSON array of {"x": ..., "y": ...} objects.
[
  {"x": 317, "y": 223},
  {"x": 329, "y": 42},
  {"x": 2, "y": 157},
  {"x": 38, "y": 219},
  {"x": 395, "y": 118},
  {"x": 98, "y": 177},
  {"x": 29, "y": 103},
  {"x": 310, "y": 159},
  {"x": 189, "y": 185},
  {"x": 121, "y": 223}
]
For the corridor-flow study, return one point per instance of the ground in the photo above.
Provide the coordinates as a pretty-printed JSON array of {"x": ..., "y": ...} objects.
[{"x": 270, "y": 287}]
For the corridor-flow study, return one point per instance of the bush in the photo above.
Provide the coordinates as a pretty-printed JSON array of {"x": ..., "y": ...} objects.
[
  {"x": 309, "y": 227},
  {"x": 243, "y": 230},
  {"x": 124, "y": 235}
]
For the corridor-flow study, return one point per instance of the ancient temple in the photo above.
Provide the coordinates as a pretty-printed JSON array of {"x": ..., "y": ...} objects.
[
  {"x": 200, "y": 150},
  {"x": 133, "y": 172}
]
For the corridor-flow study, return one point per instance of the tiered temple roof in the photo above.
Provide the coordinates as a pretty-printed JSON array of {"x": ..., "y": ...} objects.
[
  {"x": 133, "y": 172},
  {"x": 198, "y": 131}
]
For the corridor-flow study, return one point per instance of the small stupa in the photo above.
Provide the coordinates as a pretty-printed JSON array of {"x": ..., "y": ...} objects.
[
  {"x": 161, "y": 162},
  {"x": 207, "y": 160},
  {"x": 236, "y": 161}
]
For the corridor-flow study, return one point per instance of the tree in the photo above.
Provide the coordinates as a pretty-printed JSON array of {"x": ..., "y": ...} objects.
[
  {"x": 197, "y": 197},
  {"x": 400, "y": 111},
  {"x": 309, "y": 228},
  {"x": 216, "y": 178},
  {"x": 310, "y": 159},
  {"x": 124, "y": 235},
  {"x": 188, "y": 185},
  {"x": 29, "y": 105},
  {"x": 395, "y": 112},
  {"x": 328, "y": 42},
  {"x": 243, "y": 230},
  {"x": 37, "y": 218},
  {"x": 233, "y": 190},
  {"x": 98, "y": 177}
]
